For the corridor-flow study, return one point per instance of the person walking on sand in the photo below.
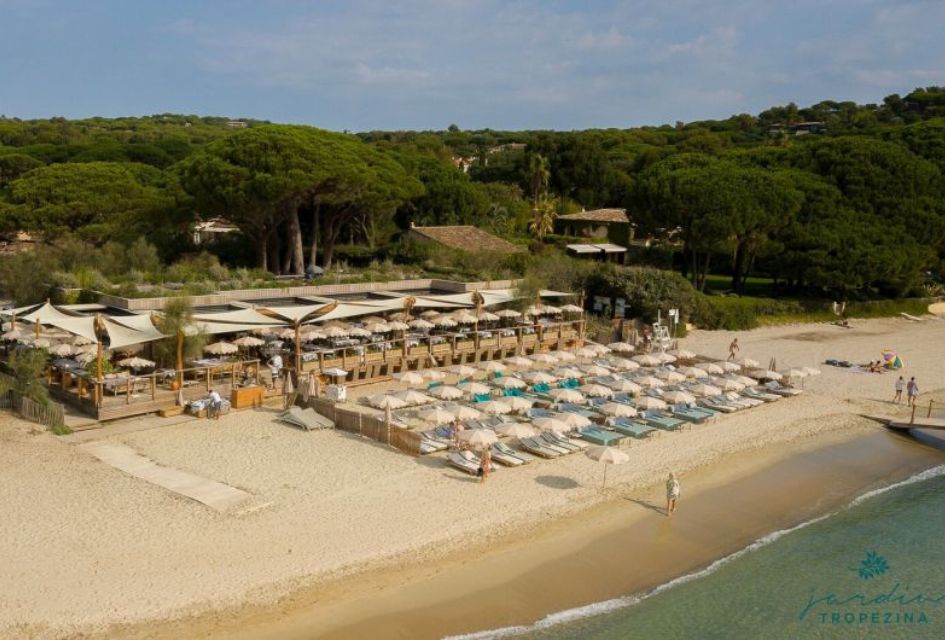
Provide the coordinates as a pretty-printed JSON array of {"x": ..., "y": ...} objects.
[
  {"x": 912, "y": 390},
  {"x": 733, "y": 349},
  {"x": 672, "y": 494},
  {"x": 485, "y": 464},
  {"x": 900, "y": 385}
]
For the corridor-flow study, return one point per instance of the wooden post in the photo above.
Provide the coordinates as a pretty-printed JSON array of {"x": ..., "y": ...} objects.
[
  {"x": 153, "y": 386},
  {"x": 298, "y": 350},
  {"x": 180, "y": 358},
  {"x": 129, "y": 382},
  {"x": 208, "y": 379},
  {"x": 321, "y": 361}
]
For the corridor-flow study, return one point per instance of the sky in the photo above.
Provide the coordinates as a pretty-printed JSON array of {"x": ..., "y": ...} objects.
[{"x": 425, "y": 64}]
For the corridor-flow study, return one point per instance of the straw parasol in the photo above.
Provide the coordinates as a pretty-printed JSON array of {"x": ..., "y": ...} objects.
[
  {"x": 572, "y": 419},
  {"x": 546, "y": 358},
  {"x": 508, "y": 313},
  {"x": 568, "y": 372},
  {"x": 411, "y": 396},
  {"x": 539, "y": 377},
  {"x": 666, "y": 358},
  {"x": 493, "y": 366},
  {"x": 446, "y": 392},
  {"x": 727, "y": 384},
  {"x": 387, "y": 402},
  {"x": 420, "y": 324},
  {"x": 397, "y": 325},
  {"x": 474, "y": 388},
  {"x": 621, "y": 347},
  {"x": 377, "y": 327},
  {"x": 572, "y": 308},
  {"x": 787, "y": 373},
  {"x": 409, "y": 377},
  {"x": 670, "y": 376},
  {"x": 494, "y": 407},
  {"x": 358, "y": 332},
  {"x": 429, "y": 313},
  {"x": 433, "y": 374},
  {"x": 84, "y": 357},
  {"x": 462, "y": 412},
  {"x": 480, "y": 438},
  {"x": 764, "y": 374},
  {"x": 649, "y": 403},
  {"x": 728, "y": 366},
  {"x": 703, "y": 389},
  {"x": 464, "y": 371},
  {"x": 510, "y": 382},
  {"x": 596, "y": 391},
  {"x": 564, "y": 356},
  {"x": 517, "y": 403},
  {"x": 648, "y": 381},
  {"x": 63, "y": 350},
  {"x": 607, "y": 456},
  {"x": 519, "y": 362},
  {"x": 552, "y": 424},
  {"x": 464, "y": 317},
  {"x": 623, "y": 364},
  {"x": 515, "y": 430},
  {"x": 647, "y": 360},
  {"x": 595, "y": 370},
  {"x": 444, "y": 321},
  {"x": 617, "y": 409},
  {"x": 221, "y": 348},
  {"x": 683, "y": 354},
  {"x": 710, "y": 367},
  {"x": 136, "y": 363},
  {"x": 585, "y": 352},
  {"x": 436, "y": 415},
  {"x": 12, "y": 335},
  {"x": 679, "y": 396},
  {"x": 249, "y": 341},
  {"x": 487, "y": 316},
  {"x": 693, "y": 372},
  {"x": 336, "y": 332},
  {"x": 566, "y": 395},
  {"x": 625, "y": 386},
  {"x": 747, "y": 363}
]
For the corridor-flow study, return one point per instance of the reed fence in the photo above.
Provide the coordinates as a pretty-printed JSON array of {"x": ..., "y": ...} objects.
[
  {"x": 50, "y": 414},
  {"x": 368, "y": 426}
]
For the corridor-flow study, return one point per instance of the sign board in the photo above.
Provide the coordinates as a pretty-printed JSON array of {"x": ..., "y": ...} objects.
[
  {"x": 600, "y": 302},
  {"x": 620, "y": 307}
]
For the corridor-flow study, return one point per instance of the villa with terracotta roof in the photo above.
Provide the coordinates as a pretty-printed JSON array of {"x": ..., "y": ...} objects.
[
  {"x": 464, "y": 238},
  {"x": 600, "y": 224}
]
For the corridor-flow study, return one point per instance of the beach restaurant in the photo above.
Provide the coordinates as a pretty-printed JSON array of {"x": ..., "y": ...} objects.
[{"x": 102, "y": 361}]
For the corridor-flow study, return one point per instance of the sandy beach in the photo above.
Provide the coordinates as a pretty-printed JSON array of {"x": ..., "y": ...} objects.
[{"x": 337, "y": 526}]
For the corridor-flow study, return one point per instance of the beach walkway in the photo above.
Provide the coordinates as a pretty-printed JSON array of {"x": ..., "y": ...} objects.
[{"x": 215, "y": 495}]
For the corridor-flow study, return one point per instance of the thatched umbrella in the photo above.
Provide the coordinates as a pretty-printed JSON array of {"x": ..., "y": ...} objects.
[{"x": 221, "y": 348}]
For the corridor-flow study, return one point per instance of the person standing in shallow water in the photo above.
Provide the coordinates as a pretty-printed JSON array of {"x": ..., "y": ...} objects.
[
  {"x": 672, "y": 494},
  {"x": 733, "y": 349}
]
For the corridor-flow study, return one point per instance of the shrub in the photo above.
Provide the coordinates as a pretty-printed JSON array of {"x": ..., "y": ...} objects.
[{"x": 646, "y": 291}]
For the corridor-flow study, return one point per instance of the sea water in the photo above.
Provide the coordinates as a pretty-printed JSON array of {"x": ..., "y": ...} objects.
[{"x": 874, "y": 569}]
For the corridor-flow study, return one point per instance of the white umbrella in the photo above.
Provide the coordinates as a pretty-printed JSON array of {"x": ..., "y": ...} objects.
[
  {"x": 539, "y": 377},
  {"x": 510, "y": 382},
  {"x": 446, "y": 392},
  {"x": 683, "y": 354},
  {"x": 568, "y": 372},
  {"x": 617, "y": 409},
  {"x": 693, "y": 372},
  {"x": 508, "y": 313},
  {"x": 493, "y": 366},
  {"x": 464, "y": 371},
  {"x": 249, "y": 341},
  {"x": 387, "y": 402},
  {"x": 572, "y": 419},
  {"x": 515, "y": 430},
  {"x": 728, "y": 366},
  {"x": 745, "y": 380},
  {"x": 595, "y": 370},
  {"x": 566, "y": 395},
  {"x": 474, "y": 388},
  {"x": 433, "y": 374},
  {"x": 564, "y": 356},
  {"x": 621, "y": 347},
  {"x": 727, "y": 384},
  {"x": 494, "y": 407},
  {"x": 596, "y": 391},
  {"x": 607, "y": 456},
  {"x": 519, "y": 362},
  {"x": 552, "y": 424},
  {"x": 670, "y": 376},
  {"x": 648, "y": 381},
  {"x": 436, "y": 415},
  {"x": 462, "y": 412},
  {"x": 543, "y": 357},
  {"x": 63, "y": 350},
  {"x": 649, "y": 403},
  {"x": 703, "y": 389},
  {"x": 585, "y": 352},
  {"x": 646, "y": 360},
  {"x": 764, "y": 374},
  {"x": 136, "y": 363},
  {"x": 517, "y": 403},
  {"x": 413, "y": 397},
  {"x": 747, "y": 363},
  {"x": 710, "y": 367},
  {"x": 421, "y": 324},
  {"x": 480, "y": 438},
  {"x": 221, "y": 348},
  {"x": 409, "y": 377},
  {"x": 623, "y": 364},
  {"x": 625, "y": 386},
  {"x": 679, "y": 396}
]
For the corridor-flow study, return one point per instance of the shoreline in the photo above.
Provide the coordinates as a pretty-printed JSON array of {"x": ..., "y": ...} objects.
[{"x": 616, "y": 548}]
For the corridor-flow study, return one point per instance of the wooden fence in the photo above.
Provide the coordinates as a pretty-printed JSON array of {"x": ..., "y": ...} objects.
[
  {"x": 368, "y": 426},
  {"x": 51, "y": 414}
]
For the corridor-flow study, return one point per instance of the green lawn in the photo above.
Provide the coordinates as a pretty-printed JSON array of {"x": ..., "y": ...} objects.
[{"x": 756, "y": 287}]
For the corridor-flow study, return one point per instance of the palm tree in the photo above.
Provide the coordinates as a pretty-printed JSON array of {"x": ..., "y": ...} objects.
[
  {"x": 543, "y": 218},
  {"x": 539, "y": 173}
]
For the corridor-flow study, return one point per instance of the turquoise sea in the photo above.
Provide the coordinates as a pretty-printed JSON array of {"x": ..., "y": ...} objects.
[{"x": 875, "y": 569}]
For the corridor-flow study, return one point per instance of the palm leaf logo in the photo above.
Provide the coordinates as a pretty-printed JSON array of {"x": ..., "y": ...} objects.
[{"x": 872, "y": 565}]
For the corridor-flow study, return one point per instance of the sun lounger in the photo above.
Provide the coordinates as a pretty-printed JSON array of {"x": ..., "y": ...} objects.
[
  {"x": 689, "y": 414},
  {"x": 717, "y": 405},
  {"x": 599, "y": 436},
  {"x": 661, "y": 420},
  {"x": 462, "y": 463},
  {"x": 509, "y": 460},
  {"x": 307, "y": 419},
  {"x": 554, "y": 439},
  {"x": 782, "y": 390},
  {"x": 757, "y": 394},
  {"x": 737, "y": 397},
  {"x": 506, "y": 450},
  {"x": 431, "y": 446},
  {"x": 538, "y": 448},
  {"x": 632, "y": 428}
]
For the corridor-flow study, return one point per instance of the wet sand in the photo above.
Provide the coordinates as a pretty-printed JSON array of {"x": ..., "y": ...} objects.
[{"x": 619, "y": 547}]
